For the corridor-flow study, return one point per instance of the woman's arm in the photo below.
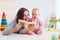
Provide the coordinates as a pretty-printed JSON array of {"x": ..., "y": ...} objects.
[
  {"x": 10, "y": 26},
  {"x": 12, "y": 30},
  {"x": 13, "y": 27},
  {"x": 16, "y": 28}
]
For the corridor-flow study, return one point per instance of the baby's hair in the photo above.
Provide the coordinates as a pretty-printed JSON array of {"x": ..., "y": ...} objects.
[{"x": 35, "y": 9}]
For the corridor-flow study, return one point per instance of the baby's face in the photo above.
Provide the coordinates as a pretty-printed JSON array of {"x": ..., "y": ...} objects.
[{"x": 35, "y": 14}]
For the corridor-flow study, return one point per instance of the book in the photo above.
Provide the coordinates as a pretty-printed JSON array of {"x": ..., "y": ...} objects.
[{"x": 27, "y": 25}]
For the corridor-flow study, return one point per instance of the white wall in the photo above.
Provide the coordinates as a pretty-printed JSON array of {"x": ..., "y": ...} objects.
[
  {"x": 10, "y": 7},
  {"x": 57, "y": 8},
  {"x": 57, "y": 11}
]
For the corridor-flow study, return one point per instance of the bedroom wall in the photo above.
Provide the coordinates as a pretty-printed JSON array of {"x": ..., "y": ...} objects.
[{"x": 10, "y": 7}]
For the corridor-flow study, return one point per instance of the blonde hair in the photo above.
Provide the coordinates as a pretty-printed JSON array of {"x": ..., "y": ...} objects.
[{"x": 35, "y": 9}]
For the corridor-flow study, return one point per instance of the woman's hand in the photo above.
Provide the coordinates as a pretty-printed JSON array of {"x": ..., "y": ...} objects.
[
  {"x": 24, "y": 31},
  {"x": 17, "y": 27}
]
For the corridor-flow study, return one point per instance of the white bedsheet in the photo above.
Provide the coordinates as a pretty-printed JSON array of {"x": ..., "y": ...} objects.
[{"x": 46, "y": 35}]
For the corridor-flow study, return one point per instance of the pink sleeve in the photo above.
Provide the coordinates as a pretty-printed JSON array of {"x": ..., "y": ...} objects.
[{"x": 40, "y": 23}]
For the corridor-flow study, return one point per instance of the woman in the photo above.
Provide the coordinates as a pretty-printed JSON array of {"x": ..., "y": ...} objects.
[{"x": 14, "y": 26}]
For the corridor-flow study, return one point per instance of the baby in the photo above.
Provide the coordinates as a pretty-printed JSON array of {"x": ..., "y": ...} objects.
[{"x": 37, "y": 29}]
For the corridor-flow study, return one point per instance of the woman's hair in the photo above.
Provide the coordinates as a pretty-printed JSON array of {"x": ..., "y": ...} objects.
[{"x": 20, "y": 14}]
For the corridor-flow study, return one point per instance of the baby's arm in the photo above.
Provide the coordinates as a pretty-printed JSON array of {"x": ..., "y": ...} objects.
[
  {"x": 31, "y": 32},
  {"x": 39, "y": 30}
]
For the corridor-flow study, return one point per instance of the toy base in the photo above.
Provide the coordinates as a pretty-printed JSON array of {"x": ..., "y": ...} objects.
[{"x": 2, "y": 29}]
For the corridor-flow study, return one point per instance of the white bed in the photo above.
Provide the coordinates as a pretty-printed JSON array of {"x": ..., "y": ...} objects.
[{"x": 46, "y": 35}]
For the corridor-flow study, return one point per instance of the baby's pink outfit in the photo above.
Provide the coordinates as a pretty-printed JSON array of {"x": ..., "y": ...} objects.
[{"x": 38, "y": 25}]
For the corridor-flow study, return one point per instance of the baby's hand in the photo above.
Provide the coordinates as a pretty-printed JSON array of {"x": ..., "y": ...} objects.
[{"x": 31, "y": 32}]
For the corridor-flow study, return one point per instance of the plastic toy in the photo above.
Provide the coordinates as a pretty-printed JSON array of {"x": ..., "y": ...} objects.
[
  {"x": 52, "y": 22},
  {"x": 54, "y": 37},
  {"x": 3, "y": 22},
  {"x": 27, "y": 25}
]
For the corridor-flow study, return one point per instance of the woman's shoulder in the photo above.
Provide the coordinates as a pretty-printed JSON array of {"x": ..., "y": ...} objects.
[{"x": 13, "y": 22}]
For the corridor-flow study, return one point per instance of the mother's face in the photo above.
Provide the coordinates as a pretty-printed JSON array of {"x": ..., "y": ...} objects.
[{"x": 26, "y": 15}]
